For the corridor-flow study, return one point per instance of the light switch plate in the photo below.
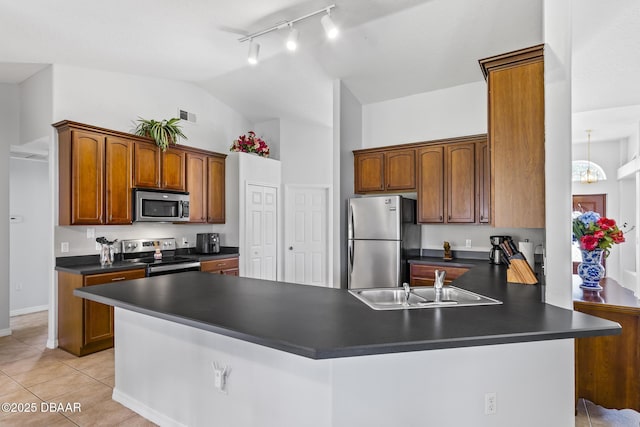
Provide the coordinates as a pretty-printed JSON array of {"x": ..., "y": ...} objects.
[{"x": 91, "y": 233}]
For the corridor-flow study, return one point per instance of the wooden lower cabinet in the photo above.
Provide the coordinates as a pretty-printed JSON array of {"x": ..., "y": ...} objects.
[
  {"x": 85, "y": 327},
  {"x": 424, "y": 274},
  {"x": 608, "y": 367},
  {"x": 228, "y": 266}
]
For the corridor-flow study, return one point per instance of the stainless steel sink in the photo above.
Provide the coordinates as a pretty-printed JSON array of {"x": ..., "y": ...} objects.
[{"x": 420, "y": 297}]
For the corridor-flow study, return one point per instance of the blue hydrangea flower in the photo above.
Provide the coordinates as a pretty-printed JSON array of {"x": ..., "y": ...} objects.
[{"x": 589, "y": 218}]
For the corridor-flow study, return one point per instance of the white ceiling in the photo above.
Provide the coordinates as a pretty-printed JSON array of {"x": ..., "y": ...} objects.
[{"x": 387, "y": 48}]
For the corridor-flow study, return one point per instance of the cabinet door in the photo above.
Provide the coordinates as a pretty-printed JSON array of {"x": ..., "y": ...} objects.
[
  {"x": 197, "y": 187},
  {"x": 483, "y": 182},
  {"x": 173, "y": 169},
  {"x": 146, "y": 165},
  {"x": 87, "y": 178},
  {"x": 215, "y": 190},
  {"x": 400, "y": 170},
  {"x": 118, "y": 175},
  {"x": 369, "y": 172},
  {"x": 460, "y": 183},
  {"x": 98, "y": 318},
  {"x": 516, "y": 138},
  {"x": 431, "y": 184}
]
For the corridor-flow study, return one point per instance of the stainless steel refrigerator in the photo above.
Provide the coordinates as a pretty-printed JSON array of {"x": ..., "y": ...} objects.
[{"x": 381, "y": 231}]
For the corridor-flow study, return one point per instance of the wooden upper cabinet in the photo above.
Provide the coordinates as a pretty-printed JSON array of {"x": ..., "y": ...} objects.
[
  {"x": 173, "y": 169},
  {"x": 87, "y": 178},
  {"x": 516, "y": 137},
  {"x": 146, "y": 165},
  {"x": 216, "y": 189},
  {"x": 400, "y": 170},
  {"x": 431, "y": 184},
  {"x": 460, "y": 183},
  {"x": 368, "y": 172},
  {"x": 483, "y": 182},
  {"x": 197, "y": 187},
  {"x": 118, "y": 176}
]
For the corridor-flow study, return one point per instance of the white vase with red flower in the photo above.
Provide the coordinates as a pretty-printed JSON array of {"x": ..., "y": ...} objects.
[{"x": 596, "y": 235}]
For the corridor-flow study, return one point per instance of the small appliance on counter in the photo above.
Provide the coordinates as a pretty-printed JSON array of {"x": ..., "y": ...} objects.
[
  {"x": 146, "y": 251},
  {"x": 207, "y": 243},
  {"x": 495, "y": 253}
]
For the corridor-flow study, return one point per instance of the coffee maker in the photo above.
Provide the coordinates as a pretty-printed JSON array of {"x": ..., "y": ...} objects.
[
  {"x": 494, "y": 254},
  {"x": 207, "y": 243}
]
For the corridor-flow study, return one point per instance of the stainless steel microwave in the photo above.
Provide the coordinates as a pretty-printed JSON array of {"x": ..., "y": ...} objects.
[{"x": 160, "y": 206}]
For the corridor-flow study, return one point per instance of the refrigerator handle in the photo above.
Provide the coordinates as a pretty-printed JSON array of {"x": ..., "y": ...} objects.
[
  {"x": 351, "y": 249},
  {"x": 351, "y": 230}
]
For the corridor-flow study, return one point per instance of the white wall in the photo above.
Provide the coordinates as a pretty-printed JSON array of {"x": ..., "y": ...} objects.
[
  {"x": 9, "y": 134},
  {"x": 350, "y": 138},
  {"x": 557, "y": 94},
  {"x": 456, "y": 111},
  {"x": 306, "y": 153},
  {"x": 29, "y": 200},
  {"x": 36, "y": 106},
  {"x": 116, "y": 100},
  {"x": 269, "y": 131}
]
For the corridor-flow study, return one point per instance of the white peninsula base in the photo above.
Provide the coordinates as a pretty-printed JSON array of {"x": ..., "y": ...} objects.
[{"x": 164, "y": 372}]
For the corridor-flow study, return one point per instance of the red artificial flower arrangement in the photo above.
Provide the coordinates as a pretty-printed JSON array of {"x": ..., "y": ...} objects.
[
  {"x": 250, "y": 143},
  {"x": 595, "y": 232}
]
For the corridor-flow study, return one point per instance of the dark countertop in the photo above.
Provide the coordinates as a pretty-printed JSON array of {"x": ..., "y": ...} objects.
[
  {"x": 322, "y": 323},
  {"x": 90, "y": 264}
]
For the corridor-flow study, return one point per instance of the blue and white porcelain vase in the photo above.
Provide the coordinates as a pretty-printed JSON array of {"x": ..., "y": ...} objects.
[{"x": 590, "y": 269}]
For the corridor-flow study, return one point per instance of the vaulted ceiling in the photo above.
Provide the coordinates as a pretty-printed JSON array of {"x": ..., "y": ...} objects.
[{"x": 387, "y": 48}]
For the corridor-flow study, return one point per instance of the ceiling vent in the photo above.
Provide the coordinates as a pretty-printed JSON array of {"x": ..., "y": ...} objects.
[{"x": 187, "y": 116}]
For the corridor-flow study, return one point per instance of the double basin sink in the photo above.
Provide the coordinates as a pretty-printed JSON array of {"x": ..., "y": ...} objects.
[{"x": 420, "y": 297}]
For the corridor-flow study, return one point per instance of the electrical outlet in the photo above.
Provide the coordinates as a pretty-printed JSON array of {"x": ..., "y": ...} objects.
[
  {"x": 467, "y": 243},
  {"x": 19, "y": 286},
  {"x": 91, "y": 233},
  {"x": 98, "y": 246},
  {"x": 184, "y": 241},
  {"x": 64, "y": 247},
  {"x": 490, "y": 404}
]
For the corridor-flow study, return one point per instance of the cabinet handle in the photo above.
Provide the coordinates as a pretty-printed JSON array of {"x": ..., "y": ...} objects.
[
  {"x": 117, "y": 279},
  {"x": 440, "y": 217},
  {"x": 481, "y": 217},
  {"x": 449, "y": 217}
]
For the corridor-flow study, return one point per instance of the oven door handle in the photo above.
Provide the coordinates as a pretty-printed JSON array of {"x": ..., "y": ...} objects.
[{"x": 177, "y": 267}]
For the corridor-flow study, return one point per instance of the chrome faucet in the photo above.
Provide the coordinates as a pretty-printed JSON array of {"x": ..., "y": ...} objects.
[
  {"x": 407, "y": 292},
  {"x": 438, "y": 284}
]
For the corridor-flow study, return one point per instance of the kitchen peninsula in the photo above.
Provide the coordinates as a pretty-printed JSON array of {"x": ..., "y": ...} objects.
[{"x": 302, "y": 355}]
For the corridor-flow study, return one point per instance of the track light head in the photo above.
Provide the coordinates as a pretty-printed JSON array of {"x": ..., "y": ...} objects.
[
  {"x": 292, "y": 39},
  {"x": 330, "y": 28},
  {"x": 254, "y": 51}
]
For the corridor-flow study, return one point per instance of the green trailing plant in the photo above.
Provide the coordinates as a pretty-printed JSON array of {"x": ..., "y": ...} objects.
[{"x": 163, "y": 132}]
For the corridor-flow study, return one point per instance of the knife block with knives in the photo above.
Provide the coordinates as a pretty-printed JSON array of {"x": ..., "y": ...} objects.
[{"x": 519, "y": 270}]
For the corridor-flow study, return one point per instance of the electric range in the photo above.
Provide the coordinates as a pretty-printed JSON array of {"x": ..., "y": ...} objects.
[{"x": 159, "y": 255}]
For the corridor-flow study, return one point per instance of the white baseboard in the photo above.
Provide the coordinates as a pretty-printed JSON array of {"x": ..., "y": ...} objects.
[
  {"x": 142, "y": 409},
  {"x": 28, "y": 310},
  {"x": 5, "y": 332}
]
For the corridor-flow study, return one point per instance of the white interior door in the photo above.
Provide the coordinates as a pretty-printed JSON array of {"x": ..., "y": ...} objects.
[
  {"x": 261, "y": 206},
  {"x": 306, "y": 237}
]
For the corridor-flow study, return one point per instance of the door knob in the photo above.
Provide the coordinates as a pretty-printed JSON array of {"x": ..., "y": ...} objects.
[{"x": 290, "y": 248}]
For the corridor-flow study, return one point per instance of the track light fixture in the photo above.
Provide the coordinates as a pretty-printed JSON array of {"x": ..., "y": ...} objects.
[
  {"x": 254, "y": 51},
  {"x": 329, "y": 26},
  {"x": 292, "y": 38}
]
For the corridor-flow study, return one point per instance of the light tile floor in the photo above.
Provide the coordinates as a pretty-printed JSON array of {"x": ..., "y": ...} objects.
[
  {"x": 33, "y": 377},
  {"x": 31, "y": 374}
]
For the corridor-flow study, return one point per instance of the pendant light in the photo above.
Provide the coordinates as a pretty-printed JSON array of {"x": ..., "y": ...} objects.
[{"x": 589, "y": 176}]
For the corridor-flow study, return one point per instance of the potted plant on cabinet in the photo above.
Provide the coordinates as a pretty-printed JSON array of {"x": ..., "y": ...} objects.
[{"x": 163, "y": 132}]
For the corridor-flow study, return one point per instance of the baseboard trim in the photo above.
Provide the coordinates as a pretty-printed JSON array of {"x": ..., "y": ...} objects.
[
  {"x": 28, "y": 310},
  {"x": 5, "y": 332},
  {"x": 142, "y": 409}
]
